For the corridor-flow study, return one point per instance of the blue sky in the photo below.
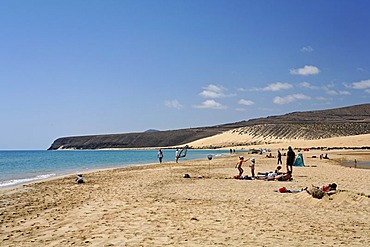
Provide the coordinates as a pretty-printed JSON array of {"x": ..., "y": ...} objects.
[{"x": 72, "y": 68}]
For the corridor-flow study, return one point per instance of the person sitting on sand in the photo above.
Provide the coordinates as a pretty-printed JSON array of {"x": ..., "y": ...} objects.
[
  {"x": 277, "y": 170},
  {"x": 269, "y": 155},
  {"x": 239, "y": 166},
  {"x": 327, "y": 188},
  {"x": 273, "y": 175},
  {"x": 80, "y": 179},
  {"x": 269, "y": 175},
  {"x": 320, "y": 191}
]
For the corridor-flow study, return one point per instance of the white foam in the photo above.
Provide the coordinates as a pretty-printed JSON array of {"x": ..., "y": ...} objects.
[
  {"x": 24, "y": 180},
  {"x": 221, "y": 155}
]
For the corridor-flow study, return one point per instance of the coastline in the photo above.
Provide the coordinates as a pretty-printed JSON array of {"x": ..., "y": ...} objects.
[
  {"x": 23, "y": 167},
  {"x": 345, "y": 161},
  {"x": 153, "y": 205},
  {"x": 62, "y": 176}
]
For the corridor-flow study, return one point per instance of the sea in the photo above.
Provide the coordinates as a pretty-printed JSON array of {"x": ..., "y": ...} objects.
[
  {"x": 19, "y": 167},
  {"x": 359, "y": 164}
]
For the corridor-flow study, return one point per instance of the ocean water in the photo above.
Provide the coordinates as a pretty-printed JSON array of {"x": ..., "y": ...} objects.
[
  {"x": 18, "y": 167},
  {"x": 360, "y": 164}
]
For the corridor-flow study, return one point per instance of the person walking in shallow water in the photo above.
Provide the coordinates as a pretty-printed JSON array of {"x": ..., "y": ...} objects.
[
  {"x": 279, "y": 158},
  {"x": 177, "y": 155},
  {"x": 160, "y": 155},
  {"x": 290, "y": 160}
]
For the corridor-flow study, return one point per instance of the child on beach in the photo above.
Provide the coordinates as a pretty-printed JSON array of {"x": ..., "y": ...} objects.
[
  {"x": 239, "y": 166},
  {"x": 252, "y": 166}
]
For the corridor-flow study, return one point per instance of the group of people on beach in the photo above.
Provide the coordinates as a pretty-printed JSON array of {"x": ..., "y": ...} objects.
[
  {"x": 277, "y": 175},
  {"x": 160, "y": 155},
  {"x": 315, "y": 191}
]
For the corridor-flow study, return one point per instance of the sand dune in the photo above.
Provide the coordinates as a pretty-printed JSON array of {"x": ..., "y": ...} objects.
[{"x": 239, "y": 139}]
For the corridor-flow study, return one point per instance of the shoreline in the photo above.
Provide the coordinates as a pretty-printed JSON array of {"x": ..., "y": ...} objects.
[
  {"x": 61, "y": 176},
  {"x": 62, "y": 163}
]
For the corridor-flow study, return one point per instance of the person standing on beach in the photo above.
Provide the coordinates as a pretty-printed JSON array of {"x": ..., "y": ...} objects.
[
  {"x": 160, "y": 155},
  {"x": 290, "y": 160},
  {"x": 252, "y": 166},
  {"x": 279, "y": 158},
  {"x": 177, "y": 155},
  {"x": 239, "y": 166}
]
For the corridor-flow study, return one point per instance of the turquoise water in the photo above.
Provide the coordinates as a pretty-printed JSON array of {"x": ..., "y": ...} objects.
[{"x": 17, "y": 167}]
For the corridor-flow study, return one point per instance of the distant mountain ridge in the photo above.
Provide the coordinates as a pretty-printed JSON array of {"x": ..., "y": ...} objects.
[
  {"x": 151, "y": 130},
  {"x": 351, "y": 120}
]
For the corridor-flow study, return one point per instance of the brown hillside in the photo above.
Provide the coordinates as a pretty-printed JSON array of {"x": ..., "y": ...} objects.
[{"x": 346, "y": 121}]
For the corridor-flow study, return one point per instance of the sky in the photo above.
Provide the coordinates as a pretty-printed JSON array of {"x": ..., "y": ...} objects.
[{"x": 86, "y": 67}]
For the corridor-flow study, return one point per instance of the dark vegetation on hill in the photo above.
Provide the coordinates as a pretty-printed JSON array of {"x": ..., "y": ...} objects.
[
  {"x": 350, "y": 114},
  {"x": 307, "y": 131},
  {"x": 352, "y": 120}
]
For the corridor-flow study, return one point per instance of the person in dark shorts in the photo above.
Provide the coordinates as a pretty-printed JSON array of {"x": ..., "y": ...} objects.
[
  {"x": 160, "y": 155},
  {"x": 279, "y": 158},
  {"x": 290, "y": 160}
]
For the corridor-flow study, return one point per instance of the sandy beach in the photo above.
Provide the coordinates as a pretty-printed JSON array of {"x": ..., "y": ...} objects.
[{"x": 154, "y": 205}]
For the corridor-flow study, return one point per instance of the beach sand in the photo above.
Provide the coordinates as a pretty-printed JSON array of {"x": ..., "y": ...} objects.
[{"x": 154, "y": 205}]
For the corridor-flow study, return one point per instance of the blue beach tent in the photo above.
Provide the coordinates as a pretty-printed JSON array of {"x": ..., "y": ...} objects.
[{"x": 299, "y": 160}]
